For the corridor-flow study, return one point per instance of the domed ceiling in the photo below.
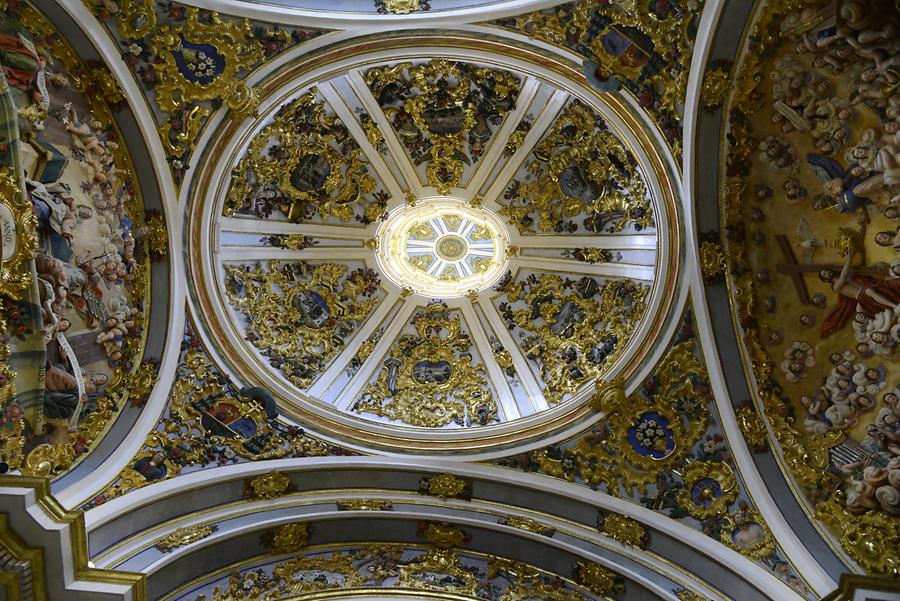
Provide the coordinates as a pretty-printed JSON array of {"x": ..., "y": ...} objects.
[
  {"x": 437, "y": 244},
  {"x": 498, "y": 301}
]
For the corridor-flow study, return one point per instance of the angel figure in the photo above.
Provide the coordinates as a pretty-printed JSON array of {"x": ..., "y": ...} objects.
[{"x": 858, "y": 292}]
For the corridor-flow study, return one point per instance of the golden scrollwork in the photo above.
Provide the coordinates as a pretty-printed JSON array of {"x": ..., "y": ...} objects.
[
  {"x": 710, "y": 487},
  {"x": 716, "y": 84},
  {"x": 598, "y": 579},
  {"x": 444, "y": 536},
  {"x": 269, "y": 486},
  {"x": 686, "y": 595},
  {"x": 443, "y": 112},
  {"x": 310, "y": 159},
  {"x": 527, "y": 524},
  {"x": 871, "y": 538},
  {"x": 752, "y": 427},
  {"x": 579, "y": 169},
  {"x": 553, "y": 311},
  {"x": 609, "y": 393},
  {"x": 202, "y": 60},
  {"x": 643, "y": 435},
  {"x": 18, "y": 225},
  {"x": 182, "y": 537},
  {"x": 288, "y": 538},
  {"x": 624, "y": 529},
  {"x": 364, "y": 505},
  {"x": 299, "y": 314},
  {"x": 429, "y": 379},
  {"x": 446, "y": 486}
]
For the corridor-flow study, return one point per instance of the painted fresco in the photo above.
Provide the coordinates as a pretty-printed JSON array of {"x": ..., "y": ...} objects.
[
  {"x": 813, "y": 195},
  {"x": 77, "y": 331}
]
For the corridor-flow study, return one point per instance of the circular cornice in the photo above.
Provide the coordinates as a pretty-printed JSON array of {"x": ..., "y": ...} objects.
[{"x": 209, "y": 186}]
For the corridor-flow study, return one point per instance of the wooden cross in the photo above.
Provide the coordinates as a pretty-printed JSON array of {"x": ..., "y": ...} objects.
[{"x": 796, "y": 271}]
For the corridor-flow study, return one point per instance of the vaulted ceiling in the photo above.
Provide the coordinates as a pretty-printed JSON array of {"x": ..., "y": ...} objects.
[{"x": 449, "y": 299}]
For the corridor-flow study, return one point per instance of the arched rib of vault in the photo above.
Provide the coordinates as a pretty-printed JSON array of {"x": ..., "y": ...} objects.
[
  {"x": 126, "y": 438},
  {"x": 358, "y": 19},
  {"x": 135, "y": 521},
  {"x": 696, "y": 175}
]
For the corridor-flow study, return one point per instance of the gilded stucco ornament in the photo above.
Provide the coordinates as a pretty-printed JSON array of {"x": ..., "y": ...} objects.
[
  {"x": 871, "y": 539},
  {"x": 269, "y": 486},
  {"x": 185, "y": 536},
  {"x": 429, "y": 379},
  {"x": 202, "y": 60},
  {"x": 288, "y": 538},
  {"x": 305, "y": 164},
  {"x": 364, "y": 505},
  {"x": 710, "y": 488},
  {"x": 598, "y": 579},
  {"x": 645, "y": 47},
  {"x": 609, "y": 394},
  {"x": 626, "y": 530},
  {"x": 401, "y": 7},
  {"x": 443, "y": 112},
  {"x": 299, "y": 315},
  {"x": 527, "y": 524},
  {"x": 712, "y": 261},
  {"x": 580, "y": 168},
  {"x": 446, "y": 486},
  {"x": 716, "y": 84},
  {"x": 547, "y": 311},
  {"x": 17, "y": 235},
  {"x": 747, "y": 533},
  {"x": 752, "y": 427},
  {"x": 157, "y": 236}
]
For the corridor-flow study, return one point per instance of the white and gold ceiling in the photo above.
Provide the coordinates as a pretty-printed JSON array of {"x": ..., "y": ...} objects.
[{"x": 407, "y": 299}]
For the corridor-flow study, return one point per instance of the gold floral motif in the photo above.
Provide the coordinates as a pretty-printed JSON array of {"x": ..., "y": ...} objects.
[
  {"x": 446, "y": 486},
  {"x": 712, "y": 260},
  {"x": 295, "y": 310},
  {"x": 626, "y": 530},
  {"x": 752, "y": 427},
  {"x": 747, "y": 533},
  {"x": 288, "y": 538},
  {"x": 364, "y": 505},
  {"x": 107, "y": 85},
  {"x": 598, "y": 579},
  {"x": 577, "y": 149},
  {"x": 184, "y": 536},
  {"x": 709, "y": 488},
  {"x": 270, "y": 486},
  {"x": 233, "y": 41},
  {"x": 18, "y": 225},
  {"x": 449, "y": 131},
  {"x": 716, "y": 84},
  {"x": 428, "y": 379}
]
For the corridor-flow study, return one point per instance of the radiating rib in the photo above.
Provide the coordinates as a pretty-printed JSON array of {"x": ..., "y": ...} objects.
[
  {"x": 371, "y": 365},
  {"x": 345, "y": 114},
  {"x": 498, "y": 143},
  {"x": 605, "y": 241},
  {"x": 395, "y": 148},
  {"x": 508, "y": 407},
  {"x": 340, "y": 363},
  {"x": 614, "y": 270},
  {"x": 251, "y": 225}
]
